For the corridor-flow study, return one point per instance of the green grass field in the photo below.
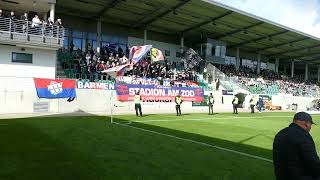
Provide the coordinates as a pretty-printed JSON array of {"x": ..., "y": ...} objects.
[{"x": 90, "y": 148}]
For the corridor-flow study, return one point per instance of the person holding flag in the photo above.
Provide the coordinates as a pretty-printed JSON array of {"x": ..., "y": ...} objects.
[
  {"x": 235, "y": 103},
  {"x": 178, "y": 100},
  {"x": 137, "y": 104},
  {"x": 210, "y": 103}
]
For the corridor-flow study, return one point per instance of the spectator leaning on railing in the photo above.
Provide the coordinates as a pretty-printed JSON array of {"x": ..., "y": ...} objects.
[
  {"x": 1, "y": 14},
  {"x": 24, "y": 17}
]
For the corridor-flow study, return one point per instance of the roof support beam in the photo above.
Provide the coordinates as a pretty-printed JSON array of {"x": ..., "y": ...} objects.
[
  {"x": 147, "y": 20},
  {"x": 301, "y": 56},
  {"x": 106, "y": 8},
  {"x": 283, "y": 44},
  {"x": 315, "y": 59},
  {"x": 293, "y": 50},
  {"x": 207, "y": 22},
  {"x": 238, "y": 30},
  {"x": 258, "y": 39}
]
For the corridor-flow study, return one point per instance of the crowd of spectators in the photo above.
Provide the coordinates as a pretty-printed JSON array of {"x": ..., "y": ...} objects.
[
  {"x": 270, "y": 82},
  {"x": 247, "y": 72},
  {"x": 92, "y": 64},
  {"x": 26, "y": 24}
]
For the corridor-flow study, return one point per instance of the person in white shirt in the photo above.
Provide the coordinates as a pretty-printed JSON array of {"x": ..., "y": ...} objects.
[{"x": 36, "y": 21}]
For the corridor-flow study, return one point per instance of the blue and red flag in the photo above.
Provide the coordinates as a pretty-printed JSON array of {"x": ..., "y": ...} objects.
[
  {"x": 137, "y": 52},
  {"x": 51, "y": 89}
]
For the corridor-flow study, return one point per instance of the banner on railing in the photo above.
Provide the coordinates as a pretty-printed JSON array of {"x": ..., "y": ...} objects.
[
  {"x": 81, "y": 84},
  {"x": 202, "y": 103},
  {"x": 133, "y": 80},
  {"x": 126, "y": 92},
  {"x": 154, "y": 81},
  {"x": 227, "y": 92},
  {"x": 51, "y": 89},
  {"x": 186, "y": 83}
]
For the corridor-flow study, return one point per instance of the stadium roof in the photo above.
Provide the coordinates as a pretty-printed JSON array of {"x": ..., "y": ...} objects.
[{"x": 192, "y": 17}]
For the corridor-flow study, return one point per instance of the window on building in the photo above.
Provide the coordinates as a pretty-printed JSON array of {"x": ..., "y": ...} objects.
[
  {"x": 94, "y": 44},
  {"x": 233, "y": 60},
  {"x": 66, "y": 43},
  {"x": 178, "y": 54},
  {"x": 167, "y": 53},
  {"x": 21, "y": 57},
  {"x": 217, "y": 51},
  {"x": 77, "y": 43},
  {"x": 264, "y": 66},
  {"x": 223, "y": 51},
  {"x": 213, "y": 51}
]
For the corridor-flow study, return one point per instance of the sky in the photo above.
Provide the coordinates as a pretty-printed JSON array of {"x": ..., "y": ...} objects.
[{"x": 302, "y": 15}]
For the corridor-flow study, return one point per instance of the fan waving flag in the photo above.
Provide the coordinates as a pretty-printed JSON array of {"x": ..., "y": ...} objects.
[
  {"x": 118, "y": 70},
  {"x": 156, "y": 55},
  {"x": 51, "y": 89},
  {"x": 137, "y": 52}
]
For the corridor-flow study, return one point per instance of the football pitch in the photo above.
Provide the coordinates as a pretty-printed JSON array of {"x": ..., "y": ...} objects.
[{"x": 193, "y": 146}]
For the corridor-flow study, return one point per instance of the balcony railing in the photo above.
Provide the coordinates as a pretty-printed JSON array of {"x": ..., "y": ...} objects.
[{"x": 27, "y": 32}]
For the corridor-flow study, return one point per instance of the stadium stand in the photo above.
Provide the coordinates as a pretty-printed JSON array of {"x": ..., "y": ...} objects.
[
  {"x": 270, "y": 82},
  {"x": 90, "y": 65}
]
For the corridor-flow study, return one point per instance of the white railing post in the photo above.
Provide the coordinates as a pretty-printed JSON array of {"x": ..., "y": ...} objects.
[
  {"x": 42, "y": 30},
  {"x": 27, "y": 28},
  {"x": 57, "y": 34},
  {"x": 10, "y": 23}
]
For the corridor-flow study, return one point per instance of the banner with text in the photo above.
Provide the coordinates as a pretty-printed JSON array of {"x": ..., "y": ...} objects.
[
  {"x": 95, "y": 85},
  {"x": 126, "y": 92}
]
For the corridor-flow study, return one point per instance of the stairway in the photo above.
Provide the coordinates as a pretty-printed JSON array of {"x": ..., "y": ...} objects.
[
  {"x": 228, "y": 83},
  {"x": 60, "y": 74}
]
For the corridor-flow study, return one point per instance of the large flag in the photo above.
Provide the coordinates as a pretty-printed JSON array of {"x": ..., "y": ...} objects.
[
  {"x": 118, "y": 70},
  {"x": 51, "y": 89},
  {"x": 137, "y": 52},
  {"x": 192, "y": 59},
  {"x": 156, "y": 55}
]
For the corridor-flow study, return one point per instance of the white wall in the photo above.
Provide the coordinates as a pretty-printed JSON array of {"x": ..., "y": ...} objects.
[
  {"x": 43, "y": 65},
  {"x": 173, "y": 48}
]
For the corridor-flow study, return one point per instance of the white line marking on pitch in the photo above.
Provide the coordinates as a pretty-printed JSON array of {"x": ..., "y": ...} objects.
[
  {"x": 206, "y": 119},
  {"x": 197, "y": 142}
]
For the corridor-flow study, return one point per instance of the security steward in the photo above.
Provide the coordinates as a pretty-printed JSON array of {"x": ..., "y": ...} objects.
[
  {"x": 210, "y": 104},
  {"x": 252, "y": 104},
  {"x": 235, "y": 103},
  {"x": 294, "y": 153},
  {"x": 178, "y": 100},
  {"x": 137, "y": 104}
]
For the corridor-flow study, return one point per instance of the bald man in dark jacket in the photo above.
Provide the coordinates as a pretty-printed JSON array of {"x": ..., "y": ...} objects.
[{"x": 294, "y": 153}]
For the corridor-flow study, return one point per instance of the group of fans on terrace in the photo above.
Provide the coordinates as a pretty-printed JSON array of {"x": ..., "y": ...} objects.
[
  {"x": 28, "y": 24},
  {"x": 270, "y": 82},
  {"x": 92, "y": 64}
]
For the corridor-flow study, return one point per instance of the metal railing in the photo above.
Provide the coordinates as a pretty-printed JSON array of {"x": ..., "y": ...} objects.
[
  {"x": 217, "y": 74},
  {"x": 27, "y": 28}
]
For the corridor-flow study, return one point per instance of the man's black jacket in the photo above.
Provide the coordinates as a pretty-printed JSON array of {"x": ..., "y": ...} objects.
[{"x": 294, "y": 155}]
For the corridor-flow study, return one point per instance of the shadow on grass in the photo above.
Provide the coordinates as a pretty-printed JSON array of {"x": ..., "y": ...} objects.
[{"x": 237, "y": 146}]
